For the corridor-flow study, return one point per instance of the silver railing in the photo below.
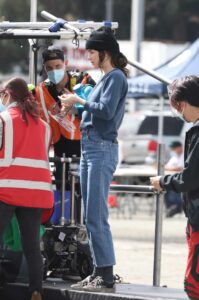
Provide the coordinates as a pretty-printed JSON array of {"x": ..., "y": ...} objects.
[{"x": 159, "y": 211}]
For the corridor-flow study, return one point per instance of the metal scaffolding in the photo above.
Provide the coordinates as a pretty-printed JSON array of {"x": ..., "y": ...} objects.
[
  {"x": 40, "y": 30},
  {"x": 34, "y": 31},
  {"x": 76, "y": 30}
]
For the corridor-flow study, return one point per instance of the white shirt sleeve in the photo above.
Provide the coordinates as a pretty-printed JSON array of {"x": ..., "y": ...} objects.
[{"x": 176, "y": 161}]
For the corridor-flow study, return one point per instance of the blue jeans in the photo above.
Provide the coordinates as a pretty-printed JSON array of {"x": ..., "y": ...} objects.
[
  {"x": 173, "y": 198},
  {"x": 99, "y": 159}
]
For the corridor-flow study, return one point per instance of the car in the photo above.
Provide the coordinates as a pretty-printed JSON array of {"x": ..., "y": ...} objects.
[{"x": 140, "y": 134}]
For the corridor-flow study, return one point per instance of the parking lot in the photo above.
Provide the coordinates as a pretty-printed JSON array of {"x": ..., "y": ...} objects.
[{"x": 134, "y": 246}]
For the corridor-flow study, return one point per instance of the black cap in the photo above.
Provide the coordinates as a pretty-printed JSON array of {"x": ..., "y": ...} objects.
[
  {"x": 103, "y": 39},
  {"x": 52, "y": 53},
  {"x": 175, "y": 144}
]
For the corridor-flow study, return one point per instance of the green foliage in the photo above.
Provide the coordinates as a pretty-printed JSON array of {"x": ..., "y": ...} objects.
[
  {"x": 73, "y": 10},
  {"x": 14, "y": 56},
  {"x": 15, "y": 11},
  {"x": 13, "y": 51},
  {"x": 176, "y": 20}
]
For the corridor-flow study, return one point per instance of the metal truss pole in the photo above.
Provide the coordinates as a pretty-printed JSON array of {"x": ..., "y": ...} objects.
[
  {"x": 109, "y": 10},
  {"x": 137, "y": 27},
  {"x": 32, "y": 46},
  {"x": 82, "y": 25},
  {"x": 149, "y": 72}
]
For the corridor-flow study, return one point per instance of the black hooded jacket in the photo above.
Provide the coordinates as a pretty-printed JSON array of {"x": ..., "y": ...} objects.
[{"x": 187, "y": 181}]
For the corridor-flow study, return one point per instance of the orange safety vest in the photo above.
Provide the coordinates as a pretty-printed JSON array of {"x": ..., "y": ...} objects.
[
  {"x": 46, "y": 101},
  {"x": 25, "y": 178}
]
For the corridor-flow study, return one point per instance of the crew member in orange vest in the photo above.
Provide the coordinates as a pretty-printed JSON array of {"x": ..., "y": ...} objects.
[
  {"x": 60, "y": 81},
  {"x": 25, "y": 179}
]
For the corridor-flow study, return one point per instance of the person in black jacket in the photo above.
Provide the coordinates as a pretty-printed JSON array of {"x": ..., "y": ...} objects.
[{"x": 184, "y": 100}]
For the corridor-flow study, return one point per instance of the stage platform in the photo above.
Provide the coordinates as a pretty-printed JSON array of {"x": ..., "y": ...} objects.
[{"x": 60, "y": 290}]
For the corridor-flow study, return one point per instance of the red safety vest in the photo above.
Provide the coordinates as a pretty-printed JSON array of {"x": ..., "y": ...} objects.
[
  {"x": 46, "y": 101},
  {"x": 25, "y": 178}
]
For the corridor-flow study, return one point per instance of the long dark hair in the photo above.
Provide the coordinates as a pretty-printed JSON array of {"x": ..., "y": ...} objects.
[
  {"x": 18, "y": 90},
  {"x": 118, "y": 60}
]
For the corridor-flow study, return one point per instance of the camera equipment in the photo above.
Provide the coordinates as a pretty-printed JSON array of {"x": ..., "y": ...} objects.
[{"x": 64, "y": 246}]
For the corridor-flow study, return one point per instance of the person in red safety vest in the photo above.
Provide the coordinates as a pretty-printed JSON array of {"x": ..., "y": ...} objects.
[
  {"x": 47, "y": 93},
  {"x": 25, "y": 179}
]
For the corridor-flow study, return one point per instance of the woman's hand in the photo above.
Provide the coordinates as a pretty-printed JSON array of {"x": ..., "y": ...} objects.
[
  {"x": 71, "y": 99},
  {"x": 155, "y": 182}
]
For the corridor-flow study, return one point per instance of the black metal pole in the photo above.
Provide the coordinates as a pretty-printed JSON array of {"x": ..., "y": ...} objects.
[
  {"x": 118, "y": 188},
  {"x": 72, "y": 197}
]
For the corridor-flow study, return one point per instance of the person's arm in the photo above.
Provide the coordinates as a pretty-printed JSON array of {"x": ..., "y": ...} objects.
[
  {"x": 70, "y": 99},
  {"x": 187, "y": 179},
  {"x": 109, "y": 98},
  {"x": 85, "y": 78},
  {"x": 175, "y": 163},
  {"x": 173, "y": 169}
]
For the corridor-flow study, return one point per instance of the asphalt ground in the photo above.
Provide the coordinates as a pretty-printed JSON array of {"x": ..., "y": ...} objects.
[{"x": 134, "y": 246}]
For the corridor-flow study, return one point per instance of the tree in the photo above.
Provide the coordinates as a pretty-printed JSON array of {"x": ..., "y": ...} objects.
[
  {"x": 176, "y": 20},
  {"x": 13, "y": 51}
]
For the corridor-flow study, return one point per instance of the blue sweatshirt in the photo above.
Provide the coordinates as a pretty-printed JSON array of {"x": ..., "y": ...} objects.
[{"x": 105, "y": 107}]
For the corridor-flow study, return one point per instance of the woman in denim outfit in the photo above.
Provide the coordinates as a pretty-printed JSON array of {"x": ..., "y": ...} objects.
[{"x": 101, "y": 119}]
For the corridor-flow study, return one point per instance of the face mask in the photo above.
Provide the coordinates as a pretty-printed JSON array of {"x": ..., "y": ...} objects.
[
  {"x": 176, "y": 113},
  {"x": 179, "y": 115},
  {"x": 2, "y": 107},
  {"x": 4, "y": 102},
  {"x": 56, "y": 76}
]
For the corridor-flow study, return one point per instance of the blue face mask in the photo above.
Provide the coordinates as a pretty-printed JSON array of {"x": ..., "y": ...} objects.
[
  {"x": 56, "y": 76},
  {"x": 2, "y": 106}
]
